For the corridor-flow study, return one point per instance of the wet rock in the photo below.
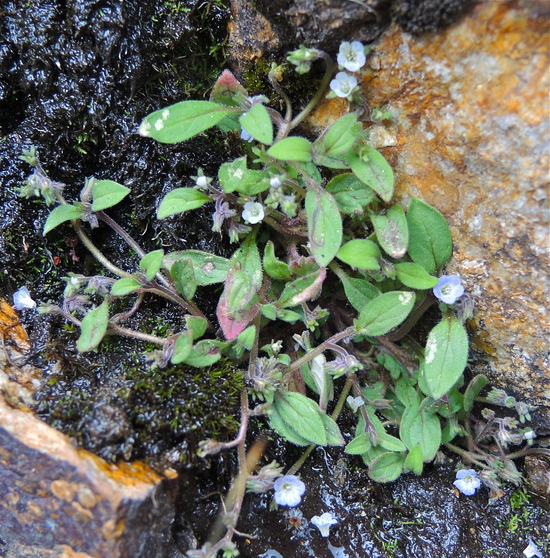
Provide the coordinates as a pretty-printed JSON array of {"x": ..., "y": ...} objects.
[
  {"x": 60, "y": 501},
  {"x": 470, "y": 136},
  {"x": 268, "y": 27}
]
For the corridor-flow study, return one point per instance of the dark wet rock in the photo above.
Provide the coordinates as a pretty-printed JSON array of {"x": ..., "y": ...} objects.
[
  {"x": 272, "y": 27},
  {"x": 422, "y": 16},
  {"x": 54, "y": 495}
]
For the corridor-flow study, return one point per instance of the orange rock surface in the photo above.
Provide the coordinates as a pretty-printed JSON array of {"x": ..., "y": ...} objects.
[{"x": 470, "y": 136}]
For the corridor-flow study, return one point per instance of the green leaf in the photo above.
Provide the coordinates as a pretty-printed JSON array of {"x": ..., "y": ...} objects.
[
  {"x": 351, "y": 195},
  {"x": 285, "y": 430},
  {"x": 477, "y": 383},
  {"x": 385, "y": 312},
  {"x": 302, "y": 414},
  {"x": 239, "y": 301},
  {"x": 359, "y": 445},
  {"x": 209, "y": 268},
  {"x": 151, "y": 263},
  {"x": 93, "y": 328},
  {"x": 341, "y": 135},
  {"x": 293, "y": 148},
  {"x": 387, "y": 467},
  {"x": 324, "y": 224},
  {"x": 196, "y": 325},
  {"x": 334, "y": 436},
  {"x": 360, "y": 253},
  {"x": 358, "y": 291},
  {"x": 420, "y": 426},
  {"x": 302, "y": 289},
  {"x": 391, "y": 443},
  {"x": 124, "y": 286},
  {"x": 430, "y": 243},
  {"x": 246, "y": 338},
  {"x": 414, "y": 461},
  {"x": 107, "y": 193},
  {"x": 275, "y": 268},
  {"x": 414, "y": 276},
  {"x": 258, "y": 124},
  {"x": 184, "y": 277},
  {"x": 392, "y": 231},
  {"x": 445, "y": 356},
  {"x": 61, "y": 214},
  {"x": 235, "y": 176},
  {"x": 269, "y": 311},
  {"x": 204, "y": 353},
  {"x": 372, "y": 169},
  {"x": 181, "y": 200},
  {"x": 288, "y": 316},
  {"x": 183, "y": 120},
  {"x": 182, "y": 347}
]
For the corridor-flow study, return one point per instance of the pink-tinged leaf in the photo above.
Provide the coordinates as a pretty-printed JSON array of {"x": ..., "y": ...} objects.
[
  {"x": 227, "y": 90},
  {"x": 303, "y": 289},
  {"x": 239, "y": 304}
]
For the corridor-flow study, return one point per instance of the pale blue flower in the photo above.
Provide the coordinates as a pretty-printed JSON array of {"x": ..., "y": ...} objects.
[
  {"x": 289, "y": 490},
  {"x": 253, "y": 212},
  {"x": 467, "y": 481},
  {"x": 343, "y": 84},
  {"x": 532, "y": 550},
  {"x": 449, "y": 288},
  {"x": 246, "y": 136},
  {"x": 323, "y": 523},
  {"x": 275, "y": 181},
  {"x": 22, "y": 299},
  {"x": 351, "y": 56}
]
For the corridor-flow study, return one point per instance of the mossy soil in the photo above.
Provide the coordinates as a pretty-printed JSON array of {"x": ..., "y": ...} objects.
[{"x": 76, "y": 78}]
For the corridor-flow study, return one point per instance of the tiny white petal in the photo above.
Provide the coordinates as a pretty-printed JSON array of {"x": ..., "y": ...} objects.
[
  {"x": 289, "y": 490},
  {"x": 323, "y": 523},
  {"x": 449, "y": 289},
  {"x": 355, "y": 402},
  {"x": 532, "y": 550},
  {"x": 351, "y": 56},
  {"x": 201, "y": 181},
  {"x": 253, "y": 212},
  {"x": 467, "y": 481},
  {"x": 22, "y": 299},
  {"x": 343, "y": 84}
]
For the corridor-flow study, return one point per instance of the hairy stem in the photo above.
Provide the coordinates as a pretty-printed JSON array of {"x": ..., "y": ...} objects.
[
  {"x": 348, "y": 332},
  {"x": 320, "y": 91}
]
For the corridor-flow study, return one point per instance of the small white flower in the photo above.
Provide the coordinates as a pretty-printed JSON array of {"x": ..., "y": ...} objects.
[
  {"x": 201, "y": 181},
  {"x": 351, "y": 56},
  {"x": 289, "y": 490},
  {"x": 22, "y": 299},
  {"x": 323, "y": 523},
  {"x": 253, "y": 212},
  {"x": 355, "y": 402},
  {"x": 449, "y": 289},
  {"x": 275, "y": 181},
  {"x": 529, "y": 435},
  {"x": 467, "y": 481},
  {"x": 532, "y": 550},
  {"x": 343, "y": 84}
]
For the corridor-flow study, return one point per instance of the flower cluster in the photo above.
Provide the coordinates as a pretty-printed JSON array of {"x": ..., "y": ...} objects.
[{"x": 351, "y": 57}]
